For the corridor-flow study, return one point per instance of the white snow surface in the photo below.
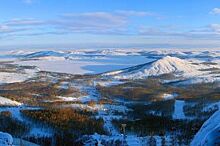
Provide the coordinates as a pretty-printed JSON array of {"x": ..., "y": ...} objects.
[
  {"x": 5, "y": 139},
  {"x": 131, "y": 140},
  {"x": 35, "y": 130},
  {"x": 8, "y": 77},
  {"x": 83, "y": 61},
  {"x": 108, "y": 83},
  {"x": 18, "y": 141},
  {"x": 61, "y": 66},
  {"x": 209, "y": 134},
  {"x": 167, "y": 96},
  {"x": 162, "y": 66},
  {"x": 168, "y": 65},
  {"x": 211, "y": 106},
  {"x": 7, "y": 102},
  {"x": 178, "y": 110}
]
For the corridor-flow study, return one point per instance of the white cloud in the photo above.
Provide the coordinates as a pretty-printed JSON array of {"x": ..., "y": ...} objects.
[
  {"x": 209, "y": 32},
  {"x": 94, "y": 19},
  {"x": 4, "y": 28},
  {"x": 134, "y": 13},
  {"x": 108, "y": 23},
  {"x": 24, "y": 22},
  {"x": 215, "y": 28},
  {"x": 116, "y": 22},
  {"x": 215, "y": 11}
]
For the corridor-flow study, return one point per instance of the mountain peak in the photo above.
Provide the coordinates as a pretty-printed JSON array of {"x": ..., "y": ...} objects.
[
  {"x": 165, "y": 65},
  {"x": 170, "y": 64}
]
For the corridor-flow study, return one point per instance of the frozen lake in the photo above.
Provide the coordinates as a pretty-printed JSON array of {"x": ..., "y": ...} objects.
[{"x": 83, "y": 66}]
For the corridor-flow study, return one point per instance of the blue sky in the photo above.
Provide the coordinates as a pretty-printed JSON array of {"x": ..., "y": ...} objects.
[{"x": 109, "y": 24}]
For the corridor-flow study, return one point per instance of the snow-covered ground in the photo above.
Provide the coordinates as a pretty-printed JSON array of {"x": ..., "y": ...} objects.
[
  {"x": 167, "y": 96},
  {"x": 108, "y": 83},
  {"x": 178, "y": 110},
  {"x": 211, "y": 106},
  {"x": 132, "y": 140},
  {"x": 19, "y": 142},
  {"x": 62, "y": 66},
  {"x": 8, "y": 77},
  {"x": 35, "y": 130},
  {"x": 7, "y": 140},
  {"x": 7, "y": 102}
]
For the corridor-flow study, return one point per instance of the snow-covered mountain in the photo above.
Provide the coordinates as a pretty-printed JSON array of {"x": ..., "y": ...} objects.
[
  {"x": 44, "y": 54},
  {"x": 168, "y": 65},
  {"x": 165, "y": 65}
]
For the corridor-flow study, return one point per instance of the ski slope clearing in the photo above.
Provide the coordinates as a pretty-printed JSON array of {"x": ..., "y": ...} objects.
[
  {"x": 209, "y": 134},
  {"x": 178, "y": 110}
]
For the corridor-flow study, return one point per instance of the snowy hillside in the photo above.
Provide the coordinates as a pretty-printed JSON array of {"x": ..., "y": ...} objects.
[
  {"x": 7, "y": 102},
  {"x": 18, "y": 75},
  {"x": 209, "y": 134},
  {"x": 169, "y": 65}
]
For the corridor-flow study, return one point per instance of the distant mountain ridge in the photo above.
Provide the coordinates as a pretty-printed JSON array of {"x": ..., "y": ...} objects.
[{"x": 157, "y": 54}]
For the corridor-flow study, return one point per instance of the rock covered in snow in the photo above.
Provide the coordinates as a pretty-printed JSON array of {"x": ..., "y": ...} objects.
[
  {"x": 209, "y": 134},
  {"x": 5, "y": 139}
]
